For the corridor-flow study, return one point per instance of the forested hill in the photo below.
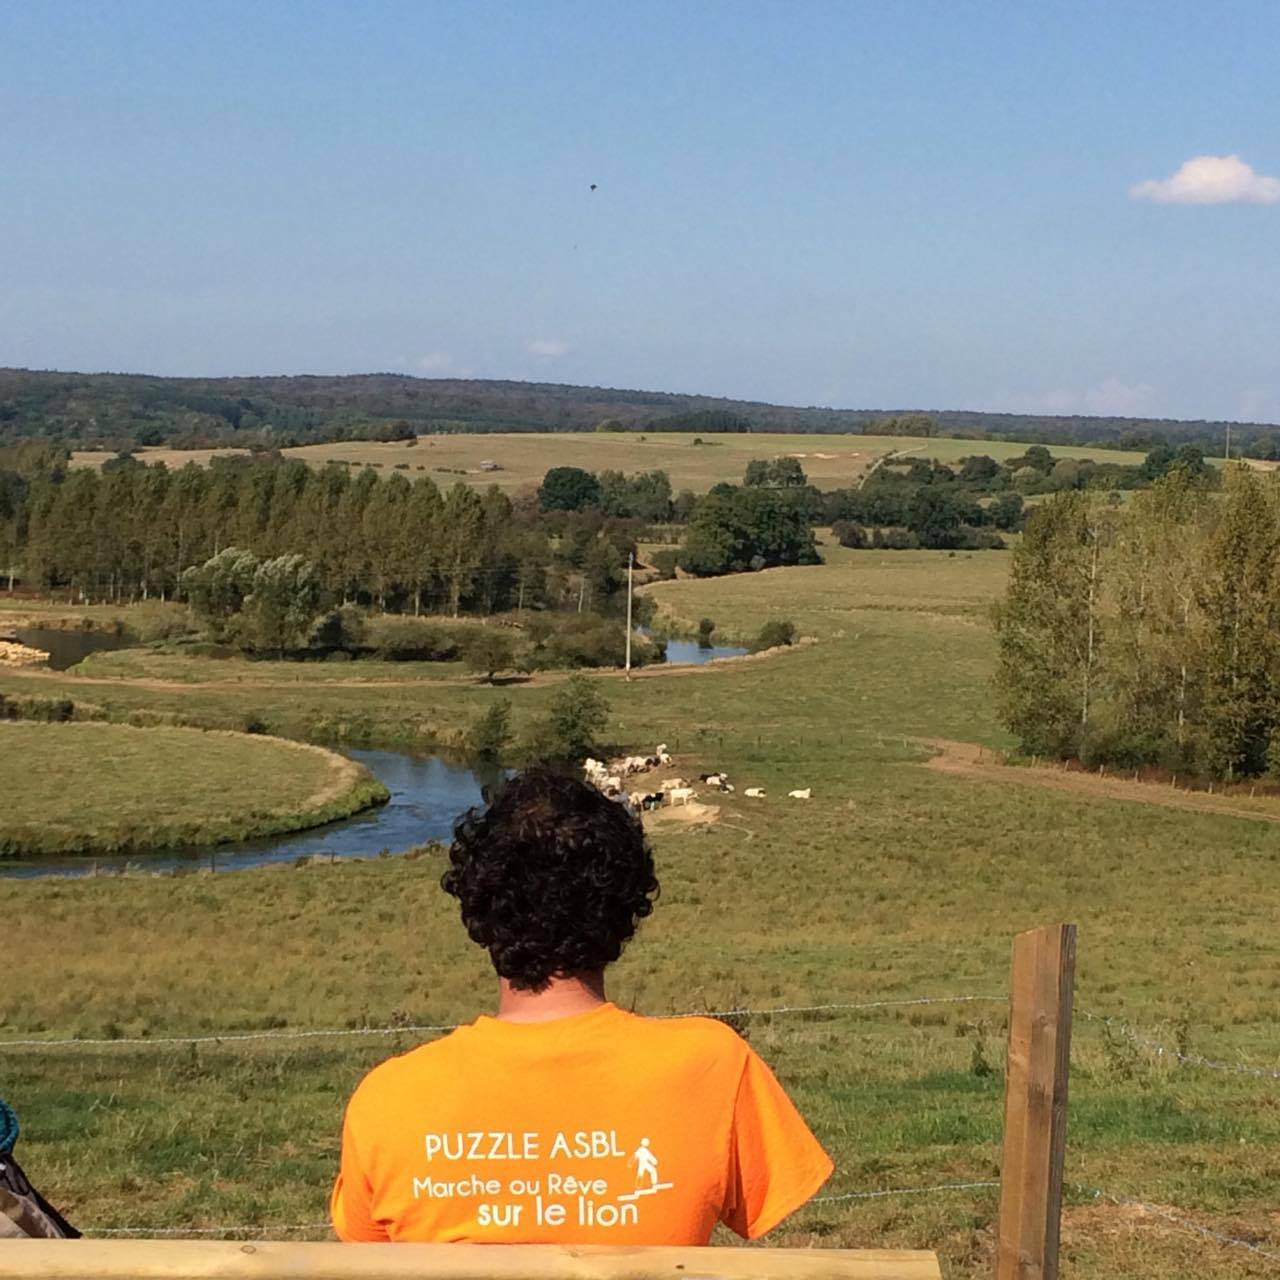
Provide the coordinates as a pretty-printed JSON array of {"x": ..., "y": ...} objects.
[{"x": 120, "y": 411}]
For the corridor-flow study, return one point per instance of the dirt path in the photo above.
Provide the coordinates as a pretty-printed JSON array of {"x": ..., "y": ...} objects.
[
  {"x": 891, "y": 456},
  {"x": 969, "y": 760}
]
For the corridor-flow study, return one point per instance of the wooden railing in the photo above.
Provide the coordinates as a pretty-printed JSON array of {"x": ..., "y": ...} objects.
[
  {"x": 227, "y": 1260},
  {"x": 1035, "y": 1118}
]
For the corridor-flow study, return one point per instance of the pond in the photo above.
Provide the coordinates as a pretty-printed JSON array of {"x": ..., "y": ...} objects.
[
  {"x": 66, "y": 648},
  {"x": 427, "y": 794},
  {"x": 690, "y": 651}
]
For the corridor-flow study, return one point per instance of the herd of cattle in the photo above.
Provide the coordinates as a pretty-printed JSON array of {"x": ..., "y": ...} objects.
[{"x": 609, "y": 776}]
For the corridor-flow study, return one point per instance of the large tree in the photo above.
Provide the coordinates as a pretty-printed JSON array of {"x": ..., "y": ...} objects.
[
  {"x": 568, "y": 489},
  {"x": 1240, "y": 602},
  {"x": 1049, "y": 627},
  {"x": 752, "y": 528}
]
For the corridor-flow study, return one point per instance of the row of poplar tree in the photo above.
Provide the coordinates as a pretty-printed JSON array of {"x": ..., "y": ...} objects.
[
  {"x": 131, "y": 532},
  {"x": 1146, "y": 633}
]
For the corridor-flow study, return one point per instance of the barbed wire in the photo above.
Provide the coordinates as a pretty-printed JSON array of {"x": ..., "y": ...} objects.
[
  {"x": 206, "y": 1231},
  {"x": 906, "y": 1191},
  {"x": 1167, "y": 1051},
  {"x": 1184, "y": 1224},
  {"x": 232, "y": 1037}
]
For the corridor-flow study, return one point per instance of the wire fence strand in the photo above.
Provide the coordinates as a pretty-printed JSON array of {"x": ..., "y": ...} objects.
[
  {"x": 906, "y": 1191},
  {"x": 1183, "y": 1224},
  {"x": 1136, "y": 1037},
  {"x": 234, "y": 1037}
]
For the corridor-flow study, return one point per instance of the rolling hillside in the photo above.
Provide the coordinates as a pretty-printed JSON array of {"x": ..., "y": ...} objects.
[{"x": 123, "y": 411}]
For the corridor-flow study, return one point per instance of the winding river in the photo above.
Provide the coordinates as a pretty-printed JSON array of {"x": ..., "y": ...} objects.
[{"x": 428, "y": 792}]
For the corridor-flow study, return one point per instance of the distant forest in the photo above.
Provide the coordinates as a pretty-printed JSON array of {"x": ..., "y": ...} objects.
[{"x": 124, "y": 411}]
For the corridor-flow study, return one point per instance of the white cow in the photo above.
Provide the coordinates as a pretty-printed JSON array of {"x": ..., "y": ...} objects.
[
  {"x": 680, "y": 795},
  {"x": 613, "y": 783},
  {"x": 756, "y": 793},
  {"x": 672, "y": 784},
  {"x": 800, "y": 794}
]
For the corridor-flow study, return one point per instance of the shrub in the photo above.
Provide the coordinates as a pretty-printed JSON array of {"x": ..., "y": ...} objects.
[
  {"x": 152, "y": 622},
  {"x": 894, "y": 540},
  {"x": 577, "y": 718},
  {"x": 706, "y": 629},
  {"x": 664, "y": 562},
  {"x": 774, "y": 634},
  {"x": 490, "y": 734},
  {"x": 489, "y": 652},
  {"x": 407, "y": 640},
  {"x": 849, "y": 534},
  {"x": 340, "y": 630},
  {"x": 579, "y": 640},
  {"x": 48, "y": 710},
  {"x": 980, "y": 540}
]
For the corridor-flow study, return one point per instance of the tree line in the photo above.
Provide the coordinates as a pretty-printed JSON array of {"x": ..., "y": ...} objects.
[
  {"x": 1144, "y": 634},
  {"x": 132, "y": 532},
  {"x": 121, "y": 411}
]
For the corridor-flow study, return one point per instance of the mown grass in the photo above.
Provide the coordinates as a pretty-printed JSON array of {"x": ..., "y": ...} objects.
[
  {"x": 100, "y": 788},
  {"x": 831, "y": 600},
  {"x": 892, "y": 882},
  {"x": 830, "y": 461}
]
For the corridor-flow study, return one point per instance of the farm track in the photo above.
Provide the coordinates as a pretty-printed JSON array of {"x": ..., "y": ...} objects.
[{"x": 969, "y": 760}]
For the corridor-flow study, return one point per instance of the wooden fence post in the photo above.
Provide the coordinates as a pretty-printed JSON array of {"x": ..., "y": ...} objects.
[{"x": 1035, "y": 1103}]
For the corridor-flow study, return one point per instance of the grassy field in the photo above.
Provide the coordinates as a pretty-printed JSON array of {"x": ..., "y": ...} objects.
[
  {"x": 102, "y": 788},
  {"x": 830, "y": 461},
  {"x": 893, "y": 882}
]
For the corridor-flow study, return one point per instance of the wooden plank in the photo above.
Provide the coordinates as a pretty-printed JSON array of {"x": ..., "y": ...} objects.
[
  {"x": 233, "y": 1260},
  {"x": 1035, "y": 1110}
]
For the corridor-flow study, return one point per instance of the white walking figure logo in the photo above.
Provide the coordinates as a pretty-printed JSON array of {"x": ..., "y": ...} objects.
[{"x": 646, "y": 1164}]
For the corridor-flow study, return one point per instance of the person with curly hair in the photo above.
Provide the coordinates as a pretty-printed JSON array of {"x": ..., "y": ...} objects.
[{"x": 565, "y": 1119}]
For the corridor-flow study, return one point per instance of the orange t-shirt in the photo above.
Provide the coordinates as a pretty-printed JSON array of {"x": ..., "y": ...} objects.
[{"x": 602, "y": 1128}]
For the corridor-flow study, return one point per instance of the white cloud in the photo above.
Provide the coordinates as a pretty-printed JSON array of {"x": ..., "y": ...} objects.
[
  {"x": 1211, "y": 180},
  {"x": 434, "y": 362},
  {"x": 548, "y": 347}
]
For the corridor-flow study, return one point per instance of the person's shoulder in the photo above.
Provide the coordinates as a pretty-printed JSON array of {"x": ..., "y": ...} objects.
[
  {"x": 407, "y": 1070},
  {"x": 709, "y": 1037}
]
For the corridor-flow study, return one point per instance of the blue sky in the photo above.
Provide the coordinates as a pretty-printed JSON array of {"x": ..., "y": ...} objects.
[{"x": 906, "y": 204}]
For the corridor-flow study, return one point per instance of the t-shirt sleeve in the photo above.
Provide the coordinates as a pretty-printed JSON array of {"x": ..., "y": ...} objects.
[
  {"x": 775, "y": 1163},
  {"x": 351, "y": 1205}
]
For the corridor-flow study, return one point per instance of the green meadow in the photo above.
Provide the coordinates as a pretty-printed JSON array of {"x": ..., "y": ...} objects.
[
  {"x": 894, "y": 882},
  {"x": 692, "y": 462},
  {"x": 104, "y": 788}
]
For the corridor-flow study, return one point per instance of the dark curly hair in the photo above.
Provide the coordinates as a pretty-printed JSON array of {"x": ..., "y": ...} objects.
[{"x": 552, "y": 877}]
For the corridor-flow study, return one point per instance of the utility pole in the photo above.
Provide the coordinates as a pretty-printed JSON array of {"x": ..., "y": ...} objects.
[
  {"x": 1228, "y": 442},
  {"x": 631, "y": 564}
]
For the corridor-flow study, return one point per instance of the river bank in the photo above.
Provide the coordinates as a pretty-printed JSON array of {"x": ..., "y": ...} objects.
[{"x": 101, "y": 789}]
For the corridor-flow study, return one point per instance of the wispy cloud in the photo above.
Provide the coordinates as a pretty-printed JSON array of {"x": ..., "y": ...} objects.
[
  {"x": 548, "y": 347},
  {"x": 1211, "y": 180}
]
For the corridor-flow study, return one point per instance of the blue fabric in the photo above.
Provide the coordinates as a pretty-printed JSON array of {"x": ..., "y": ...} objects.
[{"x": 8, "y": 1127}]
